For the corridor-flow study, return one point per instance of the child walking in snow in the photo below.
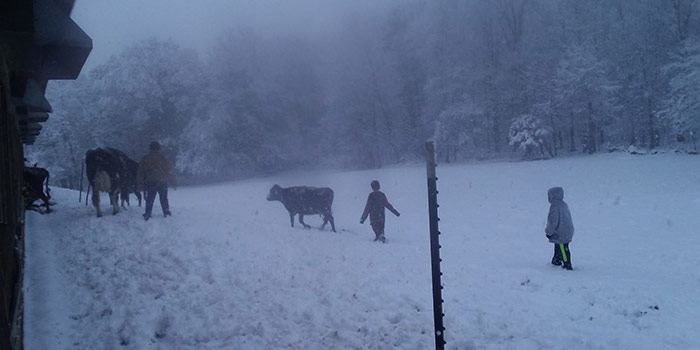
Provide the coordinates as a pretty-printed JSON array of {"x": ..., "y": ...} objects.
[
  {"x": 560, "y": 227},
  {"x": 376, "y": 202}
]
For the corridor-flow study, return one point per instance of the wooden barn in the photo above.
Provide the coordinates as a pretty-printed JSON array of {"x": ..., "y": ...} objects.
[{"x": 38, "y": 42}]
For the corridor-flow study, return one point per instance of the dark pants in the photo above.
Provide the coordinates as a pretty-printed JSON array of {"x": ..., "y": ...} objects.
[
  {"x": 378, "y": 227},
  {"x": 160, "y": 188},
  {"x": 562, "y": 255}
]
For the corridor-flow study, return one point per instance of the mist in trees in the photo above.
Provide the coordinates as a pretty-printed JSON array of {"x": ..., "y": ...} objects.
[{"x": 501, "y": 78}]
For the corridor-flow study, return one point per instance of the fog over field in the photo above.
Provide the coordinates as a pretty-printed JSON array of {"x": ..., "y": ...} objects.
[
  {"x": 235, "y": 89},
  {"x": 197, "y": 24}
]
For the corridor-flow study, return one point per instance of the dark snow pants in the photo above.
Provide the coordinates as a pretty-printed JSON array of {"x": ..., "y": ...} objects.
[
  {"x": 378, "y": 227},
  {"x": 161, "y": 189},
  {"x": 562, "y": 255}
]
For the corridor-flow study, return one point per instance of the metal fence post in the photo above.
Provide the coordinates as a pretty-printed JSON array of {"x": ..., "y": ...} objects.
[{"x": 435, "y": 246}]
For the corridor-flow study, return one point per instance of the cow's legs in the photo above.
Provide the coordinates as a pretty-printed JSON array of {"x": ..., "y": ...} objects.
[
  {"x": 96, "y": 202},
  {"x": 124, "y": 199},
  {"x": 101, "y": 182},
  {"x": 291, "y": 218},
  {"x": 46, "y": 203},
  {"x": 332, "y": 223},
  {"x": 301, "y": 221},
  {"x": 326, "y": 219},
  {"x": 114, "y": 200}
]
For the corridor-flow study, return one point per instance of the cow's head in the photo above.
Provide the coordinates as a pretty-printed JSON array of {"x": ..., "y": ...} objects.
[{"x": 275, "y": 193}]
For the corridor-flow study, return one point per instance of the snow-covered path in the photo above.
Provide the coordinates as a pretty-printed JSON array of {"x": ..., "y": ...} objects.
[{"x": 227, "y": 271}]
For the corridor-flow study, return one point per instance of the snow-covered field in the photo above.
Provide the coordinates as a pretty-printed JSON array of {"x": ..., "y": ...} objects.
[{"x": 227, "y": 272}]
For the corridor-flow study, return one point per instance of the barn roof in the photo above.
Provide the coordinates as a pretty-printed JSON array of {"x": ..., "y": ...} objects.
[{"x": 40, "y": 42}]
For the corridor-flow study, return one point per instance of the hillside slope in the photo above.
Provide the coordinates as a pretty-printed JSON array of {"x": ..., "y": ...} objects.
[{"x": 227, "y": 272}]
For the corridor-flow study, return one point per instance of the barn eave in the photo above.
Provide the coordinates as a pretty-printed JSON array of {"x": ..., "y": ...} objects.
[{"x": 40, "y": 42}]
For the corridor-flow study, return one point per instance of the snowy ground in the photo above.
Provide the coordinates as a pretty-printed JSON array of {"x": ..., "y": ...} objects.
[{"x": 227, "y": 271}]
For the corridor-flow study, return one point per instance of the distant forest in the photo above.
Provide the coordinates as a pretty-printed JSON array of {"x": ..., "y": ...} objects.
[{"x": 527, "y": 79}]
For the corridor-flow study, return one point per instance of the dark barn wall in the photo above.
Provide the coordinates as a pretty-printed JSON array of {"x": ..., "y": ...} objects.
[
  {"x": 11, "y": 218},
  {"x": 38, "y": 42}
]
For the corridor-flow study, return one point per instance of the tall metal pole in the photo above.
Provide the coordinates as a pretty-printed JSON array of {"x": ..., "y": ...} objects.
[{"x": 435, "y": 246}]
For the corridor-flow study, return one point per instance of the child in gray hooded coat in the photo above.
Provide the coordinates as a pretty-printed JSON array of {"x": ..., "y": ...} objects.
[{"x": 560, "y": 227}]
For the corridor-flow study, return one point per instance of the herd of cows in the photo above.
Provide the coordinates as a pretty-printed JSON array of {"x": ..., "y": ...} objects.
[{"x": 110, "y": 170}]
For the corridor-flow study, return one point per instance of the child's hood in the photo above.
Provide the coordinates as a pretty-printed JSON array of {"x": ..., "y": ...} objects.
[{"x": 555, "y": 193}]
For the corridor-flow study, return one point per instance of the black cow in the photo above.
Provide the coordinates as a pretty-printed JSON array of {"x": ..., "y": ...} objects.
[
  {"x": 128, "y": 184},
  {"x": 33, "y": 186},
  {"x": 110, "y": 170},
  {"x": 305, "y": 200}
]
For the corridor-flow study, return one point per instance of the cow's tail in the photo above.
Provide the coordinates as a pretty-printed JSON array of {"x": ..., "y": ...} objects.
[
  {"x": 48, "y": 191},
  {"x": 87, "y": 193}
]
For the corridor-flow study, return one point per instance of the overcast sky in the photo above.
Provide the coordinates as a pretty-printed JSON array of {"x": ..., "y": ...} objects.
[{"x": 114, "y": 24}]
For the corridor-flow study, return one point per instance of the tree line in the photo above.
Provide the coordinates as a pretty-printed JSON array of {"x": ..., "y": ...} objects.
[{"x": 483, "y": 78}]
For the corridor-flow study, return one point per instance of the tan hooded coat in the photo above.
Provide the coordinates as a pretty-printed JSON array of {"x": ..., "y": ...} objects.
[{"x": 154, "y": 168}]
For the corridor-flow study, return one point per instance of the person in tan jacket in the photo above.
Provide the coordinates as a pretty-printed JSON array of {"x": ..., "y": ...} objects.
[{"x": 155, "y": 174}]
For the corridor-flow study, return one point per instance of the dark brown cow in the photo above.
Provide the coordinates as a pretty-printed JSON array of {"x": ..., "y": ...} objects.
[
  {"x": 305, "y": 200},
  {"x": 128, "y": 184},
  {"x": 110, "y": 170}
]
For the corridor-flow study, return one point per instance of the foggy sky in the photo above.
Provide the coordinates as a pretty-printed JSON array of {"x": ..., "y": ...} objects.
[{"x": 197, "y": 24}]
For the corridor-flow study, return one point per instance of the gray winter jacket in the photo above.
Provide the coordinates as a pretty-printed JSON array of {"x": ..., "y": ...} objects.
[{"x": 560, "y": 228}]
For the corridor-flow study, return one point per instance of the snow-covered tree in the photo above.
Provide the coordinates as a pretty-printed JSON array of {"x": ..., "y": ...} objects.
[
  {"x": 457, "y": 130},
  {"x": 585, "y": 94},
  {"x": 587, "y": 74},
  {"x": 147, "y": 92},
  {"x": 530, "y": 135},
  {"x": 683, "y": 103}
]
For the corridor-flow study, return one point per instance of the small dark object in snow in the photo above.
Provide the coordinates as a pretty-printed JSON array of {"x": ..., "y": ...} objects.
[
  {"x": 106, "y": 312},
  {"x": 33, "y": 188}
]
